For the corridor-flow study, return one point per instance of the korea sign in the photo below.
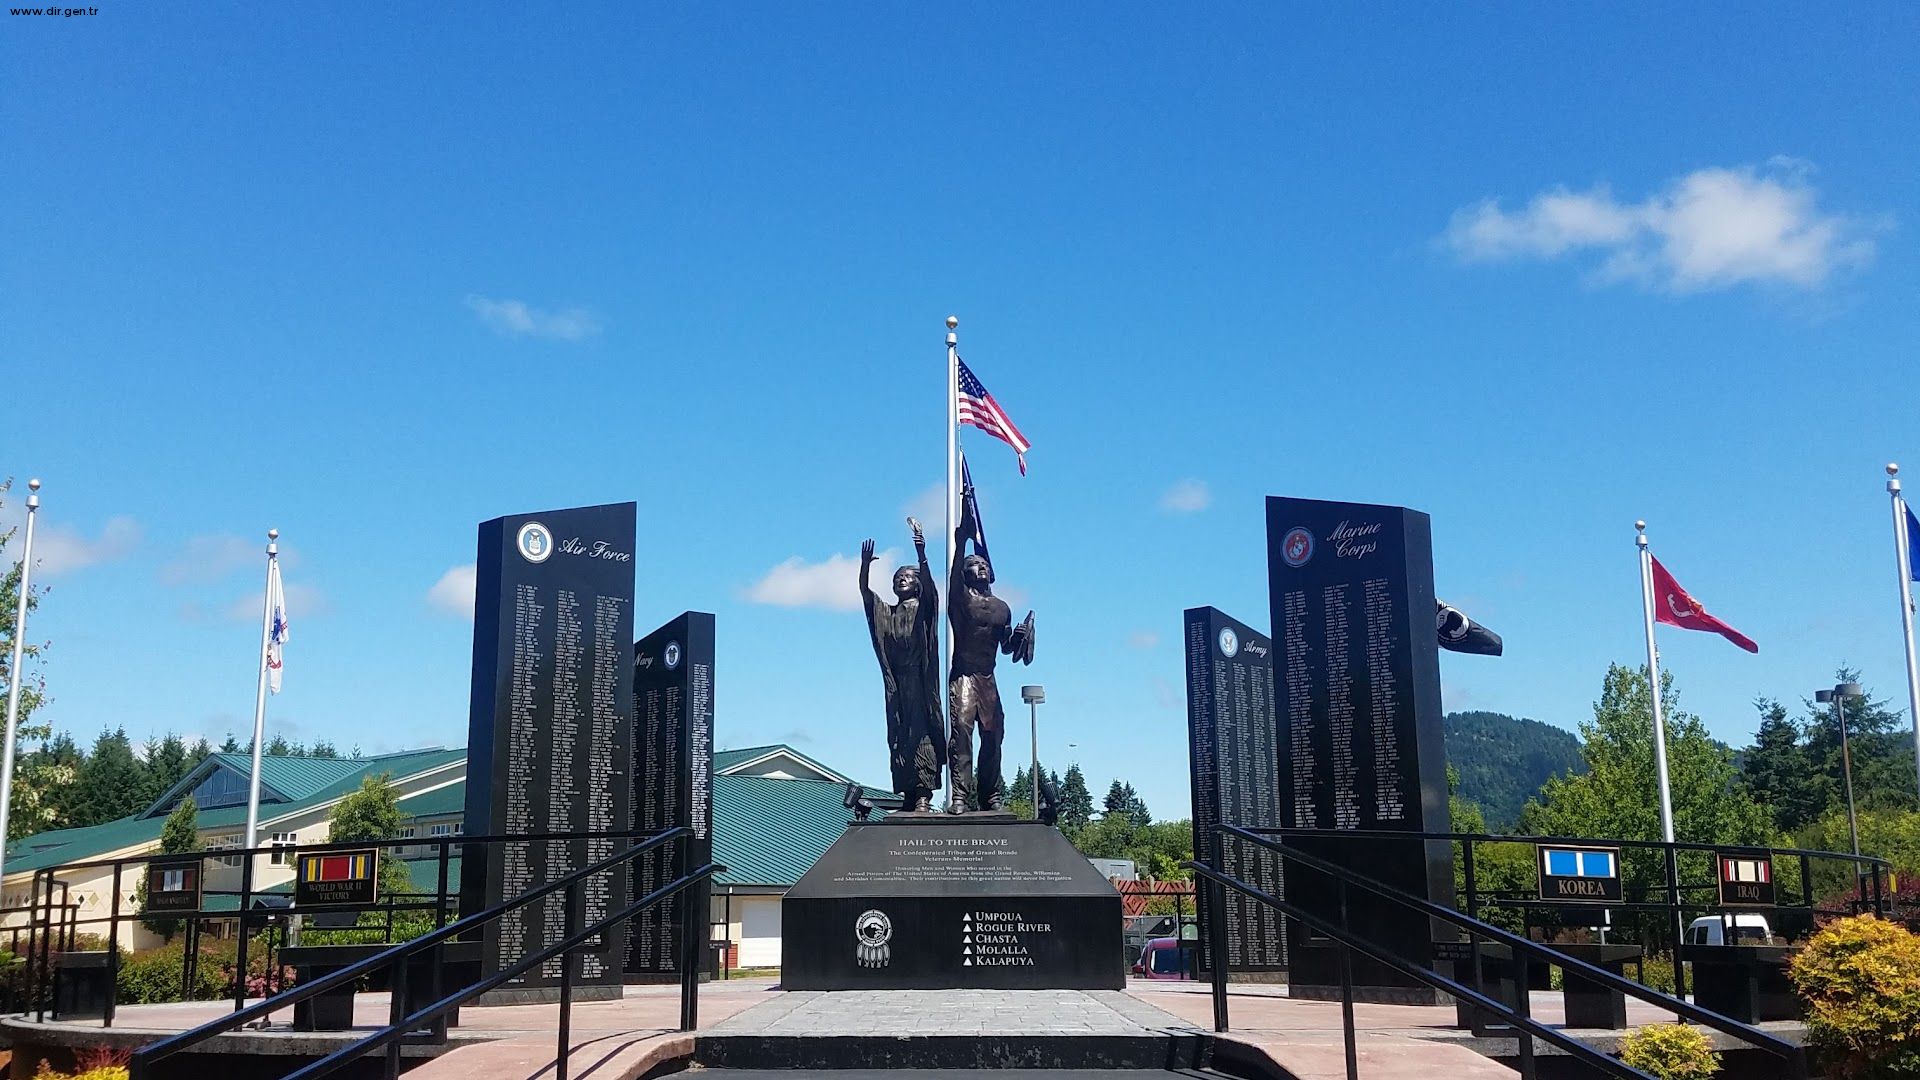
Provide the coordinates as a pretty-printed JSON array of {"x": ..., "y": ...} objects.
[
  {"x": 1745, "y": 880},
  {"x": 338, "y": 879},
  {"x": 1579, "y": 875},
  {"x": 173, "y": 884}
]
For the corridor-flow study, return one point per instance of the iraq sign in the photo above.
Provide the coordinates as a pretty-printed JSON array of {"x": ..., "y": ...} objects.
[
  {"x": 1745, "y": 880},
  {"x": 549, "y": 734},
  {"x": 1356, "y": 671}
]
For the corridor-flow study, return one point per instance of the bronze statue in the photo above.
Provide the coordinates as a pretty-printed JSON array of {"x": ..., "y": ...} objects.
[
  {"x": 982, "y": 628},
  {"x": 907, "y": 643}
]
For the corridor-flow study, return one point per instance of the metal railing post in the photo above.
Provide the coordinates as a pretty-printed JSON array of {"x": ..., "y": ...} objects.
[
  {"x": 1216, "y": 928},
  {"x": 1346, "y": 990},
  {"x": 1523, "y": 1006},
  {"x": 240, "y": 950},
  {"x": 693, "y": 925},
  {"x": 44, "y": 989},
  {"x": 439, "y": 951},
  {"x": 113, "y": 951},
  {"x": 396, "y": 1013},
  {"x": 564, "y": 1049},
  {"x": 1677, "y": 921},
  {"x": 1473, "y": 912}
]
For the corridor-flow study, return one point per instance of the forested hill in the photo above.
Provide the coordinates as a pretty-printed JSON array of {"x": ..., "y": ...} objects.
[{"x": 1502, "y": 760}]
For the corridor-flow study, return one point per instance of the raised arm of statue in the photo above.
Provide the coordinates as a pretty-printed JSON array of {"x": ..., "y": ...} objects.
[
  {"x": 866, "y": 573},
  {"x": 929, "y": 589}
]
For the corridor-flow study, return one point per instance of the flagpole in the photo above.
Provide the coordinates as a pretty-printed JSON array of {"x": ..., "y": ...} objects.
[
  {"x": 1903, "y": 552},
  {"x": 953, "y": 457},
  {"x": 1653, "y": 684},
  {"x": 13, "y": 673},
  {"x": 260, "y": 693}
]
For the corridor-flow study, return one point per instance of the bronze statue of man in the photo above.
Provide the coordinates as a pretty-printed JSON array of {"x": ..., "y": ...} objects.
[
  {"x": 907, "y": 642},
  {"x": 982, "y": 628}
]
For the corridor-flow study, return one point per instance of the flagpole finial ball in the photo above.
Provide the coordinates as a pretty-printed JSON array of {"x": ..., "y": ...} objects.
[
  {"x": 1640, "y": 525},
  {"x": 273, "y": 534},
  {"x": 33, "y": 484},
  {"x": 953, "y": 321},
  {"x": 1893, "y": 468}
]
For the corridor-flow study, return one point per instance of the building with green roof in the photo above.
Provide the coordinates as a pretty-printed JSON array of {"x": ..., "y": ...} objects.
[{"x": 775, "y": 811}]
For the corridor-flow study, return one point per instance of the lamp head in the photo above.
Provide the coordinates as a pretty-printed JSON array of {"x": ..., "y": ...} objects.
[
  {"x": 1033, "y": 695},
  {"x": 1848, "y": 690},
  {"x": 1823, "y": 696}
]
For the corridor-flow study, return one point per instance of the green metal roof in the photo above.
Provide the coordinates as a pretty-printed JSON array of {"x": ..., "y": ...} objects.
[
  {"x": 321, "y": 786},
  {"x": 440, "y": 802},
  {"x": 769, "y": 831}
]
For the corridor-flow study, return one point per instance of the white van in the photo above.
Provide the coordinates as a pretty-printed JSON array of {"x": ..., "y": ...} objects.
[{"x": 1747, "y": 930}]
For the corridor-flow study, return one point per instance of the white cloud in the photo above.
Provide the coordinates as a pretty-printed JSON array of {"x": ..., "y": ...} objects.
[
  {"x": 1186, "y": 497},
  {"x": 1142, "y": 639},
  {"x": 930, "y": 507},
  {"x": 213, "y": 557},
  {"x": 1710, "y": 229},
  {"x": 513, "y": 318},
  {"x": 303, "y": 601},
  {"x": 833, "y": 585},
  {"x": 453, "y": 593},
  {"x": 58, "y": 547}
]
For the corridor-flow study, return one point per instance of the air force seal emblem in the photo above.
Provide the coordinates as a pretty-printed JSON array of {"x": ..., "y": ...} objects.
[
  {"x": 534, "y": 541},
  {"x": 871, "y": 933}
]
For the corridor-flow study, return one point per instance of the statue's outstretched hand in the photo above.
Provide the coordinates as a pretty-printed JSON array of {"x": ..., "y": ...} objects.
[
  {"x": 866, "y": 552},
  {"x": 919, "y": 537}
]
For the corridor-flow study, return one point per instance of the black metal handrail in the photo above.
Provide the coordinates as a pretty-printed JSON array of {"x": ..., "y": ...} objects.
[
  {"x": 144, "y": 1057},
  {"x": 1522, "y": 947},
  {"x": 1351, "y": 942},
  {"x": 390, "y": 1036}
]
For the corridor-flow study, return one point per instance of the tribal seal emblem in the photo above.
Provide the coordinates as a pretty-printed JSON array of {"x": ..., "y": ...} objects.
[
  {"x": 871, "y": 932},
  {"x": 1296, "y": 547},
  {"x": 535, "y": 542}
]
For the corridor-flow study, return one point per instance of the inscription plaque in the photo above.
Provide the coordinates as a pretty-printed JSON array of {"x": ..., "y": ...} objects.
[
  {"x": 672, "y": 776},
  {"x": 1235, "y": 756},
  {"x": 1357, "y": 698},
  {"x": 935, "y": 903},
  {"x": 549, "y": 731}
]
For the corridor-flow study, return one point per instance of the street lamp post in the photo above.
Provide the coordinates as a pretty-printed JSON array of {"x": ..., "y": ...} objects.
[
  {"x": 1033, "y": 696},
  {"x": 1838, "y": 696}
]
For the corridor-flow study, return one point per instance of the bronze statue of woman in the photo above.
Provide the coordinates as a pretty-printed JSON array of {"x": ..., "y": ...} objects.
[{"x": 906, "y": 640}]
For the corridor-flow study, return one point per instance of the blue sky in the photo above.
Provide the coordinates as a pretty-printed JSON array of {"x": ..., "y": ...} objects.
[{"x": 374, "y": 274}]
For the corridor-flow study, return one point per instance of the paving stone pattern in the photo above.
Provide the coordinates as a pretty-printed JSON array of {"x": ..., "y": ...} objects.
[{"x": 933, "y": 1013}]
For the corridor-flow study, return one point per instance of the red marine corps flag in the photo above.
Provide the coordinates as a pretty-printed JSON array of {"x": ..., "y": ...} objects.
[{"x": 1673, "y": 606}]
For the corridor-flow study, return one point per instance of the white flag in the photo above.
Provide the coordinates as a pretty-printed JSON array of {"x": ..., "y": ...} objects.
[{"x": 276, "y": 626}]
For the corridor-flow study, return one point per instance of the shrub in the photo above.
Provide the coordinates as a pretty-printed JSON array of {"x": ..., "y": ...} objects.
[
  {"x": 1671, "y": 1052},
  {"x": 1861, "y": 979}
]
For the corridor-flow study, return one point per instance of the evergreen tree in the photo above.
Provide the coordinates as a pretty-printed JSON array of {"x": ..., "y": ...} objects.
[
  {"x": 1020, "y": 794},
  {"x": 323, "y": 749},
  {"x": 1882, "y": 751},
  {"x": 179, "y": 835},
  {"x": 111, "y": 782},
  {"x": 231, "y": 745},
  {"x": 1076, "y": 802},
  {"x": 278, "y": 746},
  {"x": 1122, "y": 799},
  {"x": 166, "y": 765},
  {"x": 1618, "y": 798},
  {"x": 373, "y": 813},
  {"x": 1778, "y": 772},
  {"x": 57, "y": 757}
]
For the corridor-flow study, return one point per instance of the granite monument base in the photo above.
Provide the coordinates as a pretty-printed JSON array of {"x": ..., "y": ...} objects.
[{"x": 937, "y": 902}]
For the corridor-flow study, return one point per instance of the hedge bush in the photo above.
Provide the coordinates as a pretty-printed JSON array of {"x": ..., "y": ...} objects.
[
  {"x": 1860, "y": 977},
  {"x": 153, "y": 975},
  {"x": 1671, "y": 1052}
]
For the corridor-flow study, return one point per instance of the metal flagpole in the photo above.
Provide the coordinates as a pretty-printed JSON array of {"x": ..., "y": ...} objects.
[
  {"x": 260, "y": 694},
  {"x": 1653, "y": 684},
  {"x": 1903, "y": 551},
  {"x": 953, "y": 491},
  {"x": 14, "y": 673}
]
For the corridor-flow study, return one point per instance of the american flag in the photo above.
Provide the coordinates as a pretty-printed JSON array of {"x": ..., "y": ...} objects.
[{"x": 978, "y": 408}]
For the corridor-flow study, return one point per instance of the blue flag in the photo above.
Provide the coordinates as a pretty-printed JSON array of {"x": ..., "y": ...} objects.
[{"x": 1913, "y": 537}]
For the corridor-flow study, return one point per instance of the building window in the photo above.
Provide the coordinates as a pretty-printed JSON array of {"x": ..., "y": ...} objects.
[
  {"x": 445, "y": 828},
  {"x": 222, "y": 843},
  {"x": 282, "y": 840}
]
